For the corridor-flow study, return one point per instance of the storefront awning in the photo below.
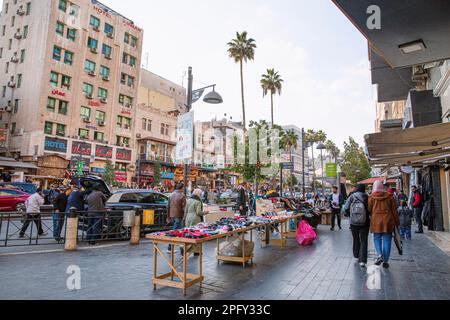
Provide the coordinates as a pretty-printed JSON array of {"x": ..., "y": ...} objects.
[
  {"x": 371, "y": 181},
  {"x": 420, "y": 145},
  {"x": 17, "y": 164}
]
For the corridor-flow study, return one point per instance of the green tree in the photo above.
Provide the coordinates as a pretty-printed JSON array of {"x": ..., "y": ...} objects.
[
  {"x": 109, "y": 175},
  {"x": 271, "y": 82},
  {"x": 242, "y": 49},
  {"x": 355, "y": 164},
  {"x": 290, "y": 140},
  {"x": 292, "y": 181},
  {"x": 332, "y": 149},
  {"x": 157, "y": 174}
]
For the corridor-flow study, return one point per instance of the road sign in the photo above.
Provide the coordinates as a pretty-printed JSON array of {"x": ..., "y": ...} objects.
[
  {"x": 331, "y": 170},
  {"x": 287, "y": 165}
]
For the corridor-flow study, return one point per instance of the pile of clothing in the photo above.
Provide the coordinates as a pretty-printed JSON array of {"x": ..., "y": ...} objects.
[{"x": 187, "y": 233}]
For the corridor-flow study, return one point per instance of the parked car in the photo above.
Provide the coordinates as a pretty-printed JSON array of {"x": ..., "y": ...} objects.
[
  {"x": 124, "y": 200},
  {"x": 13, "y": 200},
  {"x": 29, "y": 188}
]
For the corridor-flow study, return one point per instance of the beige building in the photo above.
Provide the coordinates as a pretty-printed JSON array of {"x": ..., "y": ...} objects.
[
  {"x": 70, "y": 81},
  {"x": 160, "y": 101},
  {"x": 389, "y": 115}
]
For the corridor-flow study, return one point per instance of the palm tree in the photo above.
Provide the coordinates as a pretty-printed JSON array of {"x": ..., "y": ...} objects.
[
  {"x": 332, "y": 149},
  {"x": 242, "y": 50},
  {"x": 271, "y": 81},
  {"x": 290, "y": 141}
]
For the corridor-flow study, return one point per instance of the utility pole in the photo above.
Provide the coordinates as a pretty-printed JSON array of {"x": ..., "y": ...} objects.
[
  {"x": 189, "y": 107},
  {"x": 303, "y": 161}
]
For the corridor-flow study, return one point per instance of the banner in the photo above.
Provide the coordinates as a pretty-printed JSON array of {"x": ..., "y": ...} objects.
[
  {"x": 185, "y": 135},
  {"x": 196, "y": 95},
  {"x": 331, "y": 170}
]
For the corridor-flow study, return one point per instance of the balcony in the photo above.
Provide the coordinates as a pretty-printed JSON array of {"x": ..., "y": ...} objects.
[{"x": 157, "y": 158}]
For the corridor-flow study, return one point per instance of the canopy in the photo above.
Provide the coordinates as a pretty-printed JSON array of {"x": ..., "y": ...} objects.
[
  {"x": 371, "y": 181},
  {"x": 420, "y": 145},
  {"x": 17, "y": 164}
]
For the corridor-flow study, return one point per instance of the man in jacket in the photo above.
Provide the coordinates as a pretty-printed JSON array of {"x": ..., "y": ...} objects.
[
  {"x": 175, "y": 208},
  {"x": 336, "y": 202},
  {"x": 416, "y": 204},
  {"x": 96, "y": 206},
  {"x": 33, "y": 205},
  {"x": 75, "y": 199},
  {"x": 241, "y": 201},
  {"x": 59, "y": 205}
]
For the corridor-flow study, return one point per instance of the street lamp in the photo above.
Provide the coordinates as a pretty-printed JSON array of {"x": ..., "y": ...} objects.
[
  {"x": 321, "y": 147},
  {"x": 193, "y": 96}
]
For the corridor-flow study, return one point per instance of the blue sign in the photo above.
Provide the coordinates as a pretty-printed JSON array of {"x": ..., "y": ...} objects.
[
  {"x": 167, "y": 175},
  {"x": 98, "y": 170},
  {"x": 54, "y": 144}
]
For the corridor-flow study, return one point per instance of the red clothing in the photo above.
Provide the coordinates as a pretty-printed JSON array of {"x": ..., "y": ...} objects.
[{"x": 416, "y": 202}]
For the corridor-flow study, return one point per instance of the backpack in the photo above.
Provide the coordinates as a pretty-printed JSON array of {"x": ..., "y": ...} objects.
[{"x": 358, "y": 212}]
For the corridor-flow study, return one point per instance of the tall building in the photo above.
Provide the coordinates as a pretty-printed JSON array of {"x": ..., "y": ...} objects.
[
  {"x": 70, "y": 81},
  {"x": 160, "y": 101},
  {"x": 297, "y": 157}
]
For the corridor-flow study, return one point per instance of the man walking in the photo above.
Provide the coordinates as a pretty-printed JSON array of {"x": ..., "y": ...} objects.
[
  {"x": 336, "y": 202},
  {"x": 175, "y": 209},
  {"x": 416, "y": 203},
  {"x": 33, "y": 205}
]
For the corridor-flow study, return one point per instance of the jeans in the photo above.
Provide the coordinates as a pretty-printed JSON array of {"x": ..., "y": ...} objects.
[
  {"x": 36, "y": 217},
  {"x": 58, "y": 222},
  {"x": 177, "y": 224},
  {"x": 405, "y": 232},
  {"x": 360, "y": 239},
  {"x": 335, "y": 213},
  {"x": 418, "y": 216},
  {"x": 94, "y": 228},
  {"x": 383, "y": 243}
]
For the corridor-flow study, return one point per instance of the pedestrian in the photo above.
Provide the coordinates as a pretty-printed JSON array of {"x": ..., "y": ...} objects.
[
  {"x": 384, "y": 217},
  {"x": 241, "y": 201},
  {"x": 357, "y": 208},
  {"x": 336, "y": 201},
  {"x": 401, "y": 197},
  {"x": 416, "y": 203},
  {"x": 53, "y": 193},
  {"x": 75, "y": 199},
  {"x": 193, "y": 213},
  {"x": 175, "y": 209},
  {"x": 96, "y": 208},
  {"x": 59, "y": 205},
  {"x": 405, "y": 220},
  {"x": 33, "y": 206}
]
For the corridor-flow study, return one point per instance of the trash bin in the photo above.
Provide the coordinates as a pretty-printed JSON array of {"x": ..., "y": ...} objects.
[{"x": 128, "y": 218}]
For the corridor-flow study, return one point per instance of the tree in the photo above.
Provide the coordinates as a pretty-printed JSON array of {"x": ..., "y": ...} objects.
[
  {"x": 241, "y": 49},
  {"x": 355, "y": 164},
  {"x": 157, "y": 174},
  {"x": 292, "y": 181},
  {"x": 332, "y": 149},
  {"x": 109, "y": 175},
  {"x": 290, "y": 140},
  {"x": 271, "y": 82}
]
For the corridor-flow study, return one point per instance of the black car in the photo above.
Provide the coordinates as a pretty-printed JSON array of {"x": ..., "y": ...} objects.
[{"x": 151, "y": 203}]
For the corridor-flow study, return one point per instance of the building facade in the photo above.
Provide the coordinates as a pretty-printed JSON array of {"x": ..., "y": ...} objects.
[
  {"x": 389, "y": 115},
  {"x": 70, "y": 81}
]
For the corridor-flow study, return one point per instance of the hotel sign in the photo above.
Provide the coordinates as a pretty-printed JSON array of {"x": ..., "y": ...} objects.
[{"x": 55, "y": 144}]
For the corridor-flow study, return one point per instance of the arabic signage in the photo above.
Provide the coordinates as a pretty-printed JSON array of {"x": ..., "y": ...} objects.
[
  {"x": 75, "y": 163},
  {"x": 81, "y": 148},
  {"x": 120, "y": 176},
  {"x": 147, "y": 169},
  {"x": 104, "y": 152},
  {"x": 55, "y": 144},
  {"x": 185, "y": 133},
  {"x": 123, "y": 154},
  {"x": 93, "y": 103},
  {"x": 56, "y": 92}
]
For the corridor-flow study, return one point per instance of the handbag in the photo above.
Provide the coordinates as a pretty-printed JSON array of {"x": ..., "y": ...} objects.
[{"x": 398, "y": 240}]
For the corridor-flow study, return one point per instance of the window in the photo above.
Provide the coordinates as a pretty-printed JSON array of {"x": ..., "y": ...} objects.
[
  {"x": 65, "y": 84},
  {"x": 56, "y": 53},
  {"x": 94, "y": 22},
  {"x": 134, "y": 41},
  {"x": 1, "y": 53},
  {"x": 63, "y": 106},
  {"x": 7, "y": 67},
  {"x": 125, "y": 58},
  {"x": 104, "y": 71},
  {"x": 100, "y": 116},
  {"x": 28, "y": 8},
  {"x": 123, "y": 78},
  {"x": 119, "y": 121},
  {"x": 92, "y": 43},
  {"x": 164, "y": 129},
  {"x": 54, "y": 79},
  {"x": 132, "y": 61},
  {"x": 10, "y": 44},
  {"x": 71, "y": 34},
  {"x": 60, "y": 28},
  {"x": 22, "y": 56},
  {"x": 19, "y": 80},
  {"x": 13, "y": 128},
  {"x": 106, "y": 50},
  {"x": 16, "y": 106},
  {"x": 13, "y": 21},
  {"x": 3, "y": 30},
  {"x": 126, "y": 141},
  {"x": 25, "y": 32},
  {"x": 99, "y": 136},
  {"x": 60, "y": 130},
  {"x": 6, "y": 7},
  {"x": 89, "y": 66},
  {"x": 149, "y": 125},
  {"x": 68, "y": 57},
  {"x": 48, "y": 127},
  {"x": 127, "y": 122},
  {"x": 131, "y": 81},
  {"x": 62, "y": 5},
  {"x": 128, "y": 198},
  {"x": 73, "y": 10},
  {"x": 4, "y": 91},
  {"x": 144, "y": 124},
  {"x": 85, "y": 113},
  {"x": 102, "y": 93},
  {"x": 126, "y": 38},
  {"x": 88, "y": 88},
  {"x": 109, "y": 28},
  {"x": 83, "y": 133}
]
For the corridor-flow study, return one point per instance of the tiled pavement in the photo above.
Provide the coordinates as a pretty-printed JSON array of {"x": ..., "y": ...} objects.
[{"x": 325, "y": 270}]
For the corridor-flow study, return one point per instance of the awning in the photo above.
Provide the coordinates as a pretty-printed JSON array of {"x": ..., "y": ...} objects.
[
  {"x": 420, "y": 145},
  {"x": 17, "y": 164}
]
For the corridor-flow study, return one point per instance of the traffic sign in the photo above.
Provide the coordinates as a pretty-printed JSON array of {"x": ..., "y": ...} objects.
[{"x": 287, "y": 165}]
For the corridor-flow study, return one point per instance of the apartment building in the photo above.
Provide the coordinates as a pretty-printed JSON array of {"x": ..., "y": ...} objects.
[
  {"x": 159, "y": 103},
  {"x": 70, "y": 72},
  {"x": 298, "y": 157}
]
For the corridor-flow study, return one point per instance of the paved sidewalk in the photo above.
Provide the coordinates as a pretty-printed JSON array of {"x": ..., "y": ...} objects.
[{"x": 325, "y": 270}]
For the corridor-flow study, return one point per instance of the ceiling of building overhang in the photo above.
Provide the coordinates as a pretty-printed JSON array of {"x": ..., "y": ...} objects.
[{"x": 404, "y": 21}]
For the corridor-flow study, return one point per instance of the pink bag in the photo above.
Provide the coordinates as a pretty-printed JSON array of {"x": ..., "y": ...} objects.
[{"x": 305, "y": 234}]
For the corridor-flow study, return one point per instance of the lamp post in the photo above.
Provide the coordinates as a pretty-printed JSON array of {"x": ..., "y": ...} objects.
[
  {"x": 321, "y": 147},
  {"x": 193, "y": 96}
]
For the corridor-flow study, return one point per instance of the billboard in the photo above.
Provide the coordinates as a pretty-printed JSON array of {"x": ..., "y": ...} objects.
[
  {"x": 55, "y": 144},
  {"x": 81, "y": 148},
  {"x": 185, "y": 136}
]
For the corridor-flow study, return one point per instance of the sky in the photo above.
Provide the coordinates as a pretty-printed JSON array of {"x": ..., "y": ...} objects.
[{"x": 320, "y": 55}]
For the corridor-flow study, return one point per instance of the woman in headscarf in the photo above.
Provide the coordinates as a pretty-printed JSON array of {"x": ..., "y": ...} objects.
[
  {"x": 193, "y": 212},
  {"x": 356, "y": 208},
  {"x": 383, "y": 209}
]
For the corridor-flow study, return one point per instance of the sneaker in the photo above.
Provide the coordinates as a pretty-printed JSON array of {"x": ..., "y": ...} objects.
[
  {"x": 362, "y": 264},
  {"x": 379, "y": 261},
  {"x": 43, "y": 234},
  {"x": 21, "y": 236},
  {"x": 340, "y": 228},
  {"x": 168, "y": 251},
  {"x": 332, "y": 229},
  {"x": 385, "y": 265}
]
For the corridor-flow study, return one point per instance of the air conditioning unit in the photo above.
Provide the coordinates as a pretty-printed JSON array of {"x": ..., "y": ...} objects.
[
  {"x": 128, "y": 105},
  {"x": 138, "y": 136},
  {"x": 88, "y": 95},
  {"x": 93, "y": 50},
  {"x": 18, "y": 36},
  {"x": 91, "y": 73},
  {"x": 11, "y": 84},
  {"x": 104, "y": 100},
  {"x": 21, "y": 131},
  {"x": 101, "y": 123},
  {"x": 87, "y": 120},
  {"x": 110, "y": 35},
  {"x": 108, "y": 56},
  {"x": 20, "y": 11},
  {"x": 8, "y": 109},
  {"x": 14, "y": 59},
  {"x": 106, "y": 78}
]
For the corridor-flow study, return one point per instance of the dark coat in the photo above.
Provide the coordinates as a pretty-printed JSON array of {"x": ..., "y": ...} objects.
[
  {"x": 405, "y": 216},
  {"x": 75, "y": 200},
  {"x": 96, "y": 201},
  {"x": 176, "y": 205},
  {"x": 60, "y": 202},
  {"x": 242, "y": 198}
]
